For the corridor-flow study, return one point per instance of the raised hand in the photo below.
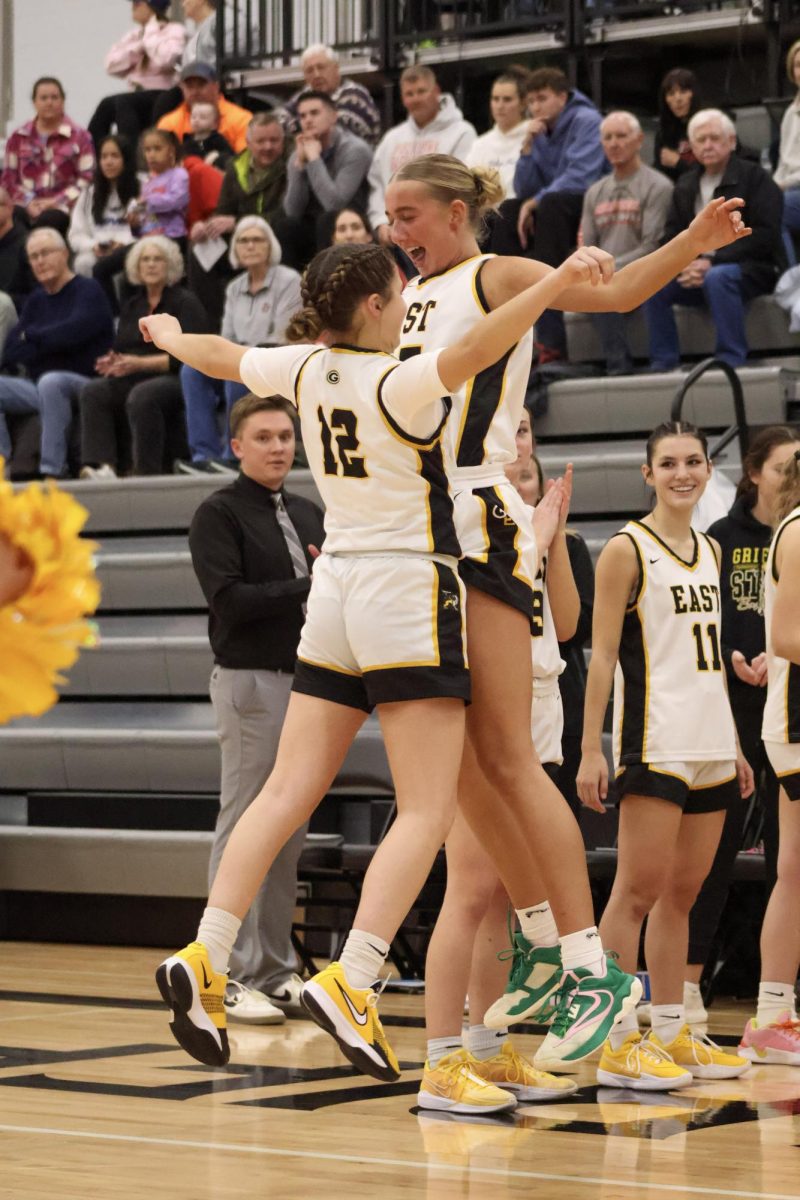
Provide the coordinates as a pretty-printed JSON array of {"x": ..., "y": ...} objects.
[
  {"x": 718, "y": 224},
  {"x": 587, "y": 264}
]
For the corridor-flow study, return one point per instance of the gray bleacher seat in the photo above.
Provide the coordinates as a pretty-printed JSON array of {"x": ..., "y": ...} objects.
[
  {"x": 635, "y": 404},
  {"x": 147, "y": 746},
  {"x": 141, "y": 656},
  {"x": 767, "y": 332}
]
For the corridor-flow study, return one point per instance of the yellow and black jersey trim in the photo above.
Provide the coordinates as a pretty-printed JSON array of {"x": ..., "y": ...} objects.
[
  {"x": 442, "y": 536},
  {"x": 300, "y": 374},
  {"x": 642, "y": 578},
  {"x": 633, "y": 659},
  {"x": 484, "y": 395},
  {"x": 404, "y": 436},
  {"x": 689, "y": 566},
  {"x": 713, "y": 550},
  {"x": 478, "y": 292},
  {"x": 419, "y": 282}
]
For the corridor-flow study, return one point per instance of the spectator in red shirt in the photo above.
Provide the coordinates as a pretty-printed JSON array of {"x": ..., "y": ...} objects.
[{"x": 48, "y": 161}]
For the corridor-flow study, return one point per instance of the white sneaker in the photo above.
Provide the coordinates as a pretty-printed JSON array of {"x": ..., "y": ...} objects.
[
  {"x": 286, "y": 997},
  {"x": 104, "y": 471},
  {"x": 249, "y": 1006}
]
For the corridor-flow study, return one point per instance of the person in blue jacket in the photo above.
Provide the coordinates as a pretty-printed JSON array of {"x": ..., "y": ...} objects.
[{"x": 561, "y": 156}]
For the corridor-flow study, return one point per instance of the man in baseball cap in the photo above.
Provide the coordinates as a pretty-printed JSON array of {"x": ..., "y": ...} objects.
[{"x": 199, "y": 81}]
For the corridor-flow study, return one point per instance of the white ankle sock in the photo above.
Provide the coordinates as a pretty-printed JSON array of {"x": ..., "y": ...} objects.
[
  {"x": 362, "y": 958},
  {"x": 773, "y": 1000},
  {"x": 691, "y": 990},
  {"x": 439, "y": 1048},
  {"x": 485, "y": 1043},
  {"x": 629, "y": 1024},
  {"x": 218, "y": 930},
  {"x": 583, "y": 949},
  {"x": 537, "y": 924},
  {"x": 667, "y": 1020}
]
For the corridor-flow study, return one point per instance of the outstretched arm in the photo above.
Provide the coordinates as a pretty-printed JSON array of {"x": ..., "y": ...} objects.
[
  {"x": 489, "y": 340},
  {"x": 214, "y": 356},
  {"x": 718, "y": 224}
]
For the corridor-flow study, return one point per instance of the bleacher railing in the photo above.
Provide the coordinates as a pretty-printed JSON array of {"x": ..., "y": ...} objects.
[
  {"x": 739, "y": 429},
  {"x": 272, "y": 34}
]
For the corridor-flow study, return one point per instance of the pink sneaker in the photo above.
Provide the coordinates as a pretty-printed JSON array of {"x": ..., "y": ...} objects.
[{"x": 778, "y": 1042}]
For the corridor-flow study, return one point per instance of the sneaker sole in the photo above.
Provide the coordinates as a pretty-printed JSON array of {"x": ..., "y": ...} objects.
[
  {"x": 441, "y": 1104},
  {"x": 238, "y": 1018},
  {"x": 530, "y": 1095},
  {"x": 718, "y": 1072},
  {"x": 573, "y": 1057},
  {"x": 609, "y": 1079},
  {"x": 773, "y": 1058},
  {"x": 192, "y": 1029},
  {"x": 355, "y": 1048}
]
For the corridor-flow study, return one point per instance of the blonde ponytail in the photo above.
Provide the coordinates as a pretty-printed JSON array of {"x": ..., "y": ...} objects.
[{"x": 789, "y": 490}]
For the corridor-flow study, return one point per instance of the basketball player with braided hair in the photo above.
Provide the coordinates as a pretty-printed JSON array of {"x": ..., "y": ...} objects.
[
  {"x": 435, "y": 206},
  {"x": 385, "y": 622},
  {"x": 774, "y": 1034}
]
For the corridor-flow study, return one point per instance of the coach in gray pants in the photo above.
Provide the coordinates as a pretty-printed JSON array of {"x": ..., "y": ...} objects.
[{"x": 250, "y": 545}]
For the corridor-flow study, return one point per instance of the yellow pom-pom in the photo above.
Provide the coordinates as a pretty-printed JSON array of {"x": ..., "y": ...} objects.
[{"x": 42, "y": 629}]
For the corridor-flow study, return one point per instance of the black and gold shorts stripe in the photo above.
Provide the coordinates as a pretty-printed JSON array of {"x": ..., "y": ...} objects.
[
  {"x": 383, "y": 628},
  {"x": 496, "y": 535}
]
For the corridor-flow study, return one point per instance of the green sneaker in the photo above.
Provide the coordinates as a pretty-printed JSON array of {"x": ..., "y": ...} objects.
[
  {"x": 534, "y": 978},
  {"x": 589, "y": 1006}
]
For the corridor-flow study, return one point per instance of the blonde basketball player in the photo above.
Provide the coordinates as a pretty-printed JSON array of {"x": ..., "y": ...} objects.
[
  {"x": 656, "y": 635},
  {"x": 774, "y": 1035},
  {"x": 434, "y": 207},
  {"x": 371, "y": 428},
  {"x": 488, "y": 1073}
]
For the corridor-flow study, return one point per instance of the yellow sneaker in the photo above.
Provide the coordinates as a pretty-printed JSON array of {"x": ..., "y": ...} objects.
[
  {"x": 196, "y": 994},
  {"x": 350, "y": 1016},
  {"x": 701, "y": 1056},
  {"x": 454, "y": 1085},
  {"x": 641, "y": 1065},
  {"x": 513, "y": 1072}
]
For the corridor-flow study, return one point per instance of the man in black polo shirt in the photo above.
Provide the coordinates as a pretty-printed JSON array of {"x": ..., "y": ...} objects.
[{"x": 251, "y": 545}]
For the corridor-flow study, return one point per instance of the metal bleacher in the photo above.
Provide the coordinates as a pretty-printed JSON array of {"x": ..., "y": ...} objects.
[{"x": 112, "y": 795}]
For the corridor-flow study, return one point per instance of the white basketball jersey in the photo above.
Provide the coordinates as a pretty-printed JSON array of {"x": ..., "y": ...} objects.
[
  {"x": 480, "y": 434},
  {"x": 670, "y": 702},
  {"x": 782, "y": 709},
  {"x": 547, "y": 661},
  {"x": 383, "y": 489}
]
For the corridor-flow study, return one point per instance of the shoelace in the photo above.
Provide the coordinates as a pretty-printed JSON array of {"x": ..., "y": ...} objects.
[
  {"x": 700, "y": 1039},
  {"x": 561, "y": 999},
  {"x": 790, "y": 1027},
  {"x": 234, "y": 991},
  {"x": 452, "y": 1071},
  {"x": 644, "y": 1047}
]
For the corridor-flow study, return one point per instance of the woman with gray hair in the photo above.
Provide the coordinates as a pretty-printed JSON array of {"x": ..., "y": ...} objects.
[
  {"x": 135, "y": 407},
  {"x": 258, "y": 306}
]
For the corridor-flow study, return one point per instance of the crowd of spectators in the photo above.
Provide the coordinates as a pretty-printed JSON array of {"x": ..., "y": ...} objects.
[{"x": 172, "y": 176}]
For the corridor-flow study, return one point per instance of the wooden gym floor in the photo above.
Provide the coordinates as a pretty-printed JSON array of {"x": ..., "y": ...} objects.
[{"x": 96, "y": 1100}]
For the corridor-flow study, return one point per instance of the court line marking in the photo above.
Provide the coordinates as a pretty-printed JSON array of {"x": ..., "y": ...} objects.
[{"x": 501, "y": 1172}]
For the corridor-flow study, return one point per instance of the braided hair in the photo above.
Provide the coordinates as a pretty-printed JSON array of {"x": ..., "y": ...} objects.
[{"x": 334, "y": 284}]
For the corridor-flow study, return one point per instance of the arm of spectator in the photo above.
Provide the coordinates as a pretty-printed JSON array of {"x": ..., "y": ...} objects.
[
  {"x": 562, "y": 590},
  {"x": 217, "y": 561},
  {"x": 164, "y": 43},
  {"x": 764, "y": 214},
  {"x": 654, "y": 217},
  {"x": 84, "y": 164},
  {"x": 288, "y": 304},
  {"x": 464, "y": 141},
  {"x": 583, "y": 159},
  {"x": 81, "y": 233},
  {"x": 168, "y": 192},
  {"x": 227, "y": 205},
  {"x": 335, "y": 191},
  {"x": 527, "y": 177},
  {"x": 296, "y": 196},
  {"x": 126, "y": 54},
  {"x": 11, "y": 178},
  {"x": 377, "y": 178}
]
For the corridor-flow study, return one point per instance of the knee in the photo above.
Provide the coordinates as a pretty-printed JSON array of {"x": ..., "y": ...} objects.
[
  {"x": 470, "y": 895},
  {"x": 722, "y": 280},
  {"x": 640, "y": 894},
  {"x": 680, "y": 894},
  {"x": 139, "y": 403}
]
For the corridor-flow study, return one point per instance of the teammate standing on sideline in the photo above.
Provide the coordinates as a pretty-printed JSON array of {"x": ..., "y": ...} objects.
[
  {"x": 774, "y": 1035},
  {"x": 656, "y": 632},
  {"x": 435, "y": 206},
  {"x": 371, "y": 429}
]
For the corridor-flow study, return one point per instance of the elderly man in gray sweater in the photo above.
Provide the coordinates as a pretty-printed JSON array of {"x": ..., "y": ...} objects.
[
  {"x": 624, "y": 214},
  {"x": 326, "y": 172}
]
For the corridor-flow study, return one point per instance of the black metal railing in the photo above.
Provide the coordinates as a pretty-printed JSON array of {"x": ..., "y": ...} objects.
[
  {"x": 739, "y": 429},
  {"x": 263, "y": 34}
]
